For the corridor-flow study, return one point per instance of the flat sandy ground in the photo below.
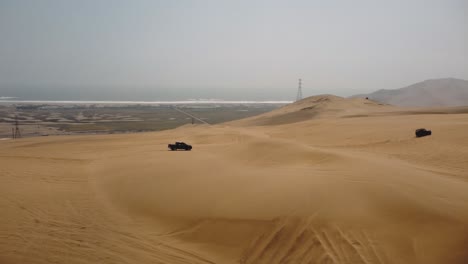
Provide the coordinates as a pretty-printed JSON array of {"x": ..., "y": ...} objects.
[{"x": 321, "y": 181}]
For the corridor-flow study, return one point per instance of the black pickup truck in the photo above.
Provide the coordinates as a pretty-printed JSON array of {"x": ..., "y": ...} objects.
[{"x": 179, "y": 145}]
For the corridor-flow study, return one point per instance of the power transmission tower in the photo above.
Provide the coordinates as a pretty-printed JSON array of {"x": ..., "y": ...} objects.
[
  {"x": 299, "y": 91},
  {"x": 16, "y": 131}
]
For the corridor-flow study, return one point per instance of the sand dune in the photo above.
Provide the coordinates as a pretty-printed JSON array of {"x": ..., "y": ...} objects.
[
  {"x": 321, "y": 106},
  {"x": 325, "y": 180}
]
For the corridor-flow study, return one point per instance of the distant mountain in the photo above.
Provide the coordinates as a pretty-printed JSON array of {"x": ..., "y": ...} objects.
[{"x": 429, "y": 93}]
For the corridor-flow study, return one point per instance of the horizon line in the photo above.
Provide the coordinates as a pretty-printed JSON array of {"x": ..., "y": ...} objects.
[{"x": 204, "y": 101}]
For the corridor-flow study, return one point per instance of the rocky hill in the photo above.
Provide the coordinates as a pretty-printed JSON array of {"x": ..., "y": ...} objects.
[{"x": 429, "y": 93}]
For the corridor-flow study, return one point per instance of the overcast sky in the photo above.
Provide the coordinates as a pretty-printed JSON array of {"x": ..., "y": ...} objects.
[{"x": 163, "y": 50}]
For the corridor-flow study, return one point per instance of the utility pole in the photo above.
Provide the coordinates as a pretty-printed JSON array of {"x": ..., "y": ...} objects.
[
  {"x": 16, "y": 131},
  {"x": 299, "y": 91}
]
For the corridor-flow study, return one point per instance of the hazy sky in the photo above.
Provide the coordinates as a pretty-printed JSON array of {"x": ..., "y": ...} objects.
[{"x": 175, "y": 49}]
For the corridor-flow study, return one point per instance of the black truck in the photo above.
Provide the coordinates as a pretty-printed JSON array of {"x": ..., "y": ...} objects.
[{"x": 179, "y": 145}]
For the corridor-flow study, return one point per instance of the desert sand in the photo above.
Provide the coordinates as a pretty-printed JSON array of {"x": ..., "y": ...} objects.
[{"x": 325, "y": 180}]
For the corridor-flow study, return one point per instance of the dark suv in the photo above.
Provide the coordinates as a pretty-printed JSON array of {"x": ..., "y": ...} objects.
[
  {"x": 422, "y": 132},
  {"x": 179, "y": 145}
]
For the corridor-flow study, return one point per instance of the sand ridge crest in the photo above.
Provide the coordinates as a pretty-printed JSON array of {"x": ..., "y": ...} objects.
[{"x": 319, "y": 106}]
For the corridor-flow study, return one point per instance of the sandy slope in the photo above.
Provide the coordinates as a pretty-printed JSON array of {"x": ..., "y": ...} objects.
[{"x": 349, "y": 185}]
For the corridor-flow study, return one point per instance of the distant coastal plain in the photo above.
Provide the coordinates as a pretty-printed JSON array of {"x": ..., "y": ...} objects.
[{"x": 43, "y": 118}]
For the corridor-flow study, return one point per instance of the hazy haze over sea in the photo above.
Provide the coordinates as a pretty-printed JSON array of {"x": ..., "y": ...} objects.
[
  {"x": 233, "y": 50},
  {"x": 200, "y": 101}
]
